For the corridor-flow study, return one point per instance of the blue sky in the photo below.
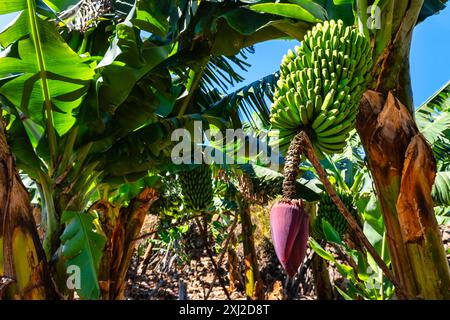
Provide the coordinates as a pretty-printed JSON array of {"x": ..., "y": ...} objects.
[{"x": 430, "y": 56}]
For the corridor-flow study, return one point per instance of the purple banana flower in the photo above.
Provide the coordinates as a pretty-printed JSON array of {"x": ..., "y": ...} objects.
[{"x": 289, "y": 223}]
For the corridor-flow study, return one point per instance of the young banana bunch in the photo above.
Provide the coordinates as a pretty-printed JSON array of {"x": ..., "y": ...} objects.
[
  {"x": 320, "y": 87},
  {"x": 197, "y": 188},
  {"x": 328, "y": 211}
]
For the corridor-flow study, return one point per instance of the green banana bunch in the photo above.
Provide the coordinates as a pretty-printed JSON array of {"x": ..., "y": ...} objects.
[
  {"x": 328, "y": 211},
  {"x": 320, "y": 87},
  {"x": 197, "y": 188}
]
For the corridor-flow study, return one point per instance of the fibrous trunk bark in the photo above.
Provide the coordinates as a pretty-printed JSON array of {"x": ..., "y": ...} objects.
[
  {"x": 24, "y": 273},
  {"x": 233, "y": 266},
  {"x": 403, "y": 168},
  {"x": 122, "y": 227},
  {"x": 253, "y": 280}
]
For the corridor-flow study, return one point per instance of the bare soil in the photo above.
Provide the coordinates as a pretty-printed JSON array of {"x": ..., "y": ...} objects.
[{"x": 168, "y": 278}]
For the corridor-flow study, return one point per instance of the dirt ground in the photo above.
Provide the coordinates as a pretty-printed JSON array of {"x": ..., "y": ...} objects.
[{"x": 167, "y": 279}]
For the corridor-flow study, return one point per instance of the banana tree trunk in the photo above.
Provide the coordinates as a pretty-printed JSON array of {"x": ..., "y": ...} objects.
[
  {"x": 122, "y": 227},
  {"x": 404, "y": 169},
  {"x": 253, "y": 280},
  {"x": 400, "y": 160},
  {"x": 24, "y": 272},
  {"x": 233, "y": 266}
]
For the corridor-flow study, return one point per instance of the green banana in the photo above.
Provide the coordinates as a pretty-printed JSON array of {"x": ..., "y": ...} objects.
[
  {"x": 304, "y": 115},
  {"x": 319, "y": 120},
  {"x": 335, "y": 139},
  {"x": 326, "y": 124},
  {"x": 310, "y": 109}
]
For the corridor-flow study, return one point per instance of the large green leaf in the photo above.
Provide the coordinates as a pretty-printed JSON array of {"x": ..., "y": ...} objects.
[
  {"x": 126, "y": 61},
  {"x": 149, "y": 17},
  {"x": 303, "y": 10},
  {"x": 22, "y": 148},
  {"x": 41, "y": 73},
  {"x": 320, "y": 251},
  {"x": 243, "y": 27},
  {"x": 338, "y": 10},
  {"x": 9, "y": 6},
  {"x": 82, "y": 246},
  {"x": 436, "y": 128},
  {"x": 330, "y": 233},
  {"x": 441, "y": 189},
  {"x": 60, "y": 5},
  {"x": 15, "y": 30}
]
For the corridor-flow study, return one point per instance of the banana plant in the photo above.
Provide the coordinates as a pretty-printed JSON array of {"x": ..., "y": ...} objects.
[
  {"x": 80, "y": 102},
  {"x": 414, "y": 245},
  {"x": 390, "y": 50}
]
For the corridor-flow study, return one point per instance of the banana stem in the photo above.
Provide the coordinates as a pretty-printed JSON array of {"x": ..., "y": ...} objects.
[
  {"x": 361, "y": 9},
  {"x": 293, "y": 158},
  {"x": 383, "y": 251},
  {"x": 308, "y": 150},
  {"x": 204, "y": 232},
  {"x": 51, "y": 239},
  {"x": 222, "y": 254}
]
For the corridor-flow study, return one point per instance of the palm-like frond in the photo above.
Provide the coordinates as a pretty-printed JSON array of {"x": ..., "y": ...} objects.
[
  {"x": 431, "y": 7},
  {"x": 221, "y": 70},
  {"x": 433, "y": 120},
  {"x": 250, "y": 100}
]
